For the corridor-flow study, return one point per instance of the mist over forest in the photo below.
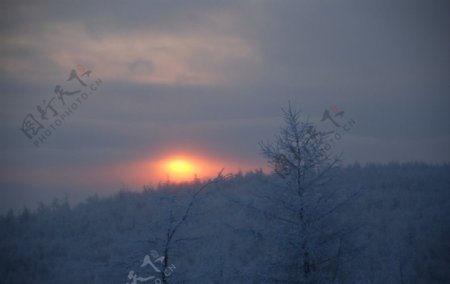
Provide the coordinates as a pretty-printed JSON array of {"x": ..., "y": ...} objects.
[{"x": 390, "y": 226}]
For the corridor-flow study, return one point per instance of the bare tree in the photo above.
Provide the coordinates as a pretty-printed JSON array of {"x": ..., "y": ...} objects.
[
  {"x": 175, "y": 224},
  {"x": 299, "y": 155}
]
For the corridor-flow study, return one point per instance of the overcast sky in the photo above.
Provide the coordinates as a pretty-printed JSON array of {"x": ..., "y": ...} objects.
[{"x": 207, "y": 79}]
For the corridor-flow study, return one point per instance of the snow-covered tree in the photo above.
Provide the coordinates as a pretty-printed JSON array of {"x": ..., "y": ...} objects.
[{"x": 300, "y": 157}]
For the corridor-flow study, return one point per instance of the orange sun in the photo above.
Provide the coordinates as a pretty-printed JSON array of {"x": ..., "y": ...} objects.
[
  {"x": 180, "y": 169},
  {"x": 179, "y": 166},
  {"x": 171, "y": 166}
]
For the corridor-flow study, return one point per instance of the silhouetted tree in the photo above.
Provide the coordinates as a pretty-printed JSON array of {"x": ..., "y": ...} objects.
[
  {"x": 299, "y": 155},
  {"x": 174, "y": 224}
]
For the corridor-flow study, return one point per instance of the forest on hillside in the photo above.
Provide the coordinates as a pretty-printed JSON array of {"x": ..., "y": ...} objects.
[
  {"x": 378, "y": 224},
  {"x": 225, "y": 142}
]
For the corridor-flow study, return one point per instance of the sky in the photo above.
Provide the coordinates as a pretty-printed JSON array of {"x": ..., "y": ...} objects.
[{"x": 203, "y": 82}]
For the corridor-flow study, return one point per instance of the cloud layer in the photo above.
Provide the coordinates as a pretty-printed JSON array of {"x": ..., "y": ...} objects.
[{"x": 209, "y": 78}]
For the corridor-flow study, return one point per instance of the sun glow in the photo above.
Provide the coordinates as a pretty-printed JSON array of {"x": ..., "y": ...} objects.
[
  {"x": 173, "y": 166},
  {"x": 179, "y": 167},
  {"x": 182, "y": 168}
]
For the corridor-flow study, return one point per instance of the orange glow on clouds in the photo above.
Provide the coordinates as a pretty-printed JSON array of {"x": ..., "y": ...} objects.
[
  {"x": 154, "y": 58},
  {"x": 133, "y": 174}
]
